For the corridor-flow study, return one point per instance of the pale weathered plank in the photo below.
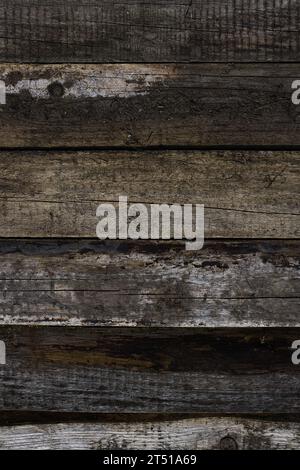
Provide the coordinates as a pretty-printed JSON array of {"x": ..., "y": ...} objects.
[
  {"x": 149, "y": 105},
  {"x": 198, "y": 433},
  {"x": 82, "y": 283},
  {"x": 144, "y": 30},
  {"x": 141, "y": 370},
  {"x": 55, "y": 194}
]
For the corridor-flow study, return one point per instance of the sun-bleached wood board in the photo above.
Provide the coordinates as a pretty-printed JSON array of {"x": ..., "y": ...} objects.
[
  {"x": 149, "y": 370},
  {"x": 132, "y": 105},
  {"x": 148, "y": 31},
  {"x": 246, "y": 194},
  {"x": 153, "y": 284},
  {"x": 198, "y": 433}
]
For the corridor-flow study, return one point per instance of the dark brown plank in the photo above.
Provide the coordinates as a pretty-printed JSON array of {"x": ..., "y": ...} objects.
[
  {"x": 138, "y": 370},
  {"x": 147, "y": 30},
  {"x": 230, "y": 433},
  {"x": 149, "y": 105},
  {"x": 227, "y": 284},
  {"x": 39, "y": 418},
  {"x": 56, "y": 194}
]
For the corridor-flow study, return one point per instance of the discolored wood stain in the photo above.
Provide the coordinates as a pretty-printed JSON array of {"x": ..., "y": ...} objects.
[
  {"x": 134, "y": 370},
  {"x": 149, "y": 105}
]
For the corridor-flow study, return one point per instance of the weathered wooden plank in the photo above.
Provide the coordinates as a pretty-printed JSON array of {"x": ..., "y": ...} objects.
[
  {"x": 149, "y": 105},
  {"x": 227, "y": 284},
  {"x": 143, "y": 30},
  {"x": 198, "y": 433},
  {"x": 142, "y": 370},
  {"x": 55, "y": 194}
]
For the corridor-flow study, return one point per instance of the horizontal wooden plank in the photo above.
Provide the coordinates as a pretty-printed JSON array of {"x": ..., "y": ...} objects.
[
  {"x": 142, "y": 370},
  {"x": 93, "y": 283},
  {"x": 198, "y": 433},
  {"x": 149, "y": 105},
  {"x": 246, "y": 194},
  {"x": 143, "y": 30}
]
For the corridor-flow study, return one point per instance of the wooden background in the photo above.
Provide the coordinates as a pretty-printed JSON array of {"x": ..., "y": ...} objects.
[{"x": 122, "y": 344}]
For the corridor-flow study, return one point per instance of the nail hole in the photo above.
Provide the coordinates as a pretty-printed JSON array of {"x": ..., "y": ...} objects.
[
  {"x": 56, "y": 90},
  {"x": 228, "y": 443}
]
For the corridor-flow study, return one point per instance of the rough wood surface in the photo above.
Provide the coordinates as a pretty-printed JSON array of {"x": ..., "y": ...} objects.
[
  {"x": 141, "y": 370},
  {"x": 144, "y": 30},
  {"x": 149, "y": 105},
  {"x": 56, "y": 194},
  {"x": 82, "y": 283},
  {"x": 63, "y": 303},
  {"x": 198, "y": 433}
]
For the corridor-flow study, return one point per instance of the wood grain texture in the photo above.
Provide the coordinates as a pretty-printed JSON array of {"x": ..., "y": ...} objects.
[
  {"x": 142, "y": 370},
  {"x": 93, "y": 283},
  {"x": 147, "y": 31},
  {"x": 149, "y": 105},
  {"x": 198, "y": 433},
  {"x": 56, "y": 194}
]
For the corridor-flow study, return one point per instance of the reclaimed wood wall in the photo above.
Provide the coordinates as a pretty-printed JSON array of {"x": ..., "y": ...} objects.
[{"x": 142, "y": 344}]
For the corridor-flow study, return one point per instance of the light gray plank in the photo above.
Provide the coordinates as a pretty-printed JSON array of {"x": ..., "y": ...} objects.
[
  {"x": 82, "y": 283},
  {"x": 183, "y": 434}
]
